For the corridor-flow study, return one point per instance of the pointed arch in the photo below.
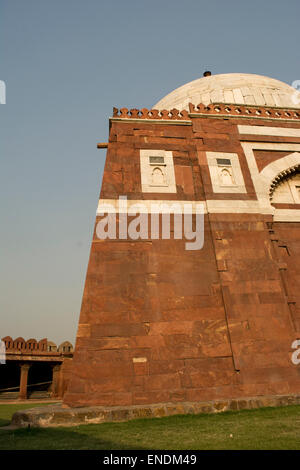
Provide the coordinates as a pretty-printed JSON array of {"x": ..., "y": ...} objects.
[
  {"x": 263, "y": 180},
  {"x": 284, "y": 180},
  {"x": 276, "y": 170}
]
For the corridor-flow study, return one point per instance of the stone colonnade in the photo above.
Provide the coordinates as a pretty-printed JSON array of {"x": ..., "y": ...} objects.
[{"x": 56, "y": 386}]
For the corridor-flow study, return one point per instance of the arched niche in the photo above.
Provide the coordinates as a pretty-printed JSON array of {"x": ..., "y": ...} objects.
[{"x": 158, "y": 177}]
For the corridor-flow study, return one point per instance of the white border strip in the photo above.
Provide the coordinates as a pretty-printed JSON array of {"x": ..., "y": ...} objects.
[
  {"x": 265, "y": 130},
  {"x": 126, "y": 206},
  {"x": 211, "y": 206}
]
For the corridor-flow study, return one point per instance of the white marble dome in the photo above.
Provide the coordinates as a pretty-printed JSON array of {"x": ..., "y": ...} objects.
[{"x": 232, "y": 88}]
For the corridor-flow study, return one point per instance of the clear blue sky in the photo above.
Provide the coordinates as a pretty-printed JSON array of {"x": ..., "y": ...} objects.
[{"x": 66, "y": 63}]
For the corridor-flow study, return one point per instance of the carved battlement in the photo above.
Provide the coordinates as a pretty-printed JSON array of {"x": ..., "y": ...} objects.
[
  {"x": 34, "y": 346},
  {"x": 150, "y": 114},
  {"x": 244, "y": 110},
  {"x": 221, "y": 109}
]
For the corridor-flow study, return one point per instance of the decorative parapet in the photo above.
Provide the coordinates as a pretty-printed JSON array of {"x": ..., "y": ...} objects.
[
  {"x": 217, "y": 110},
  {"x": 65, "y": 348},
  {"x": 19, "y": 345},
  {"x": 245, "y": 111},
  {"x": 150, "y": 114}
]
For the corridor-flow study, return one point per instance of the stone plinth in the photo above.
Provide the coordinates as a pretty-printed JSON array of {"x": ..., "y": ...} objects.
[{"x": 57, "y": 415}]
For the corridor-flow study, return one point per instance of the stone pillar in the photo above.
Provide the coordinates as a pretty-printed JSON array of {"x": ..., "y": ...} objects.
[
  {"x": 23, "y": 381},
  {"x": 55, "y": 388},
  {"x": 60, "y": 387}
]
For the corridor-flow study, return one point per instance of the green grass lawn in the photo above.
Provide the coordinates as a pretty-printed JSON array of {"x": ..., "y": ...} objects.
[{"x": 264, "y": 428}]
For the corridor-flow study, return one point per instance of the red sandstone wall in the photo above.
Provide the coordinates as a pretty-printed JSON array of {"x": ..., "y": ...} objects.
[
  {"x": 162, "y": 324},
  {"x": 285, "y": 241},
  {"x": 65, "y": 375},
  {"x": 259, "y": 320}
]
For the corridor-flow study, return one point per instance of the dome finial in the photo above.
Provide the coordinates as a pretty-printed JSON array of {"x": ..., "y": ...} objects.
[{"x": 207, "y": 73}]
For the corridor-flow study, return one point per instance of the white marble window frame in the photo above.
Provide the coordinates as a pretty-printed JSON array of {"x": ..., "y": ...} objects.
[
  {"x": 214, "y": 169},
  {"x": 147, "y": 168}
]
